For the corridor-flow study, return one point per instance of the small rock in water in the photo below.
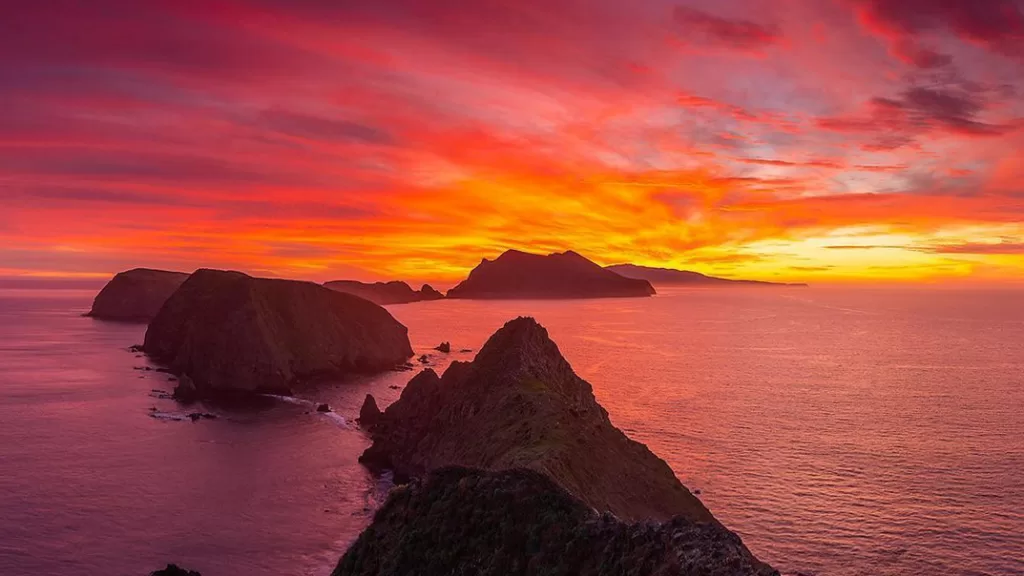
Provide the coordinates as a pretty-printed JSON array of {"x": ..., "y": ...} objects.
[
  {"x": 369, "y": 413},
  {"x": 466, "y": 350},
  {"x": 394, "y": 387},
  {"x": 323, "y": 408},
  {"x": 696, "y": 491},
  {"x": 174, "y": 570},
  {"x": 424, "y": 359},
  {"x": 135, "y": 348},
  {"x": 185, "y": 392},
  {"x": 194, "y": 416},
  {"x": 445, "y": 347}
]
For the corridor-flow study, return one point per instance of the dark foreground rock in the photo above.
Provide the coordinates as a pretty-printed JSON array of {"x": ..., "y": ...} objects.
[
  {"x": 461, "y": 521},
  {"x": 520, "y": 405},
  {"x": 174, "y": 570},
  {"x": 669, "y": 276},
  {"x": 135, "y": 295},
  {"x": 517, "y": 274},
  {"x": 369, "y": 413},
  {"x": 232, "y": 334},
  {"x": 384, "y": 293}
]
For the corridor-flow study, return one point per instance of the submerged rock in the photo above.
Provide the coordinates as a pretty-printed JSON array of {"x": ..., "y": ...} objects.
[
  {"x": 369, "y": 413},
  {"x": 445, "y": 347},
  {"x": 463, "y": 522},
  {"x": 135, "y": 295},
  {"x": 520, "y": 405},
  {"x": 233, "y": 334},
  {"x": 323, "y": 407},
  {"x": 517, "y": 274}
]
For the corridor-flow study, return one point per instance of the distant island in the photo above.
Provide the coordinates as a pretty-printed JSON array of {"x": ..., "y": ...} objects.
[
  {"x": 520, "y": 275},
  {"x": 227, "y": 335},
  {"x": 135, "y": 295},
  {"x": 667, "y": 276},
  {"x": 385, "y": 293}
]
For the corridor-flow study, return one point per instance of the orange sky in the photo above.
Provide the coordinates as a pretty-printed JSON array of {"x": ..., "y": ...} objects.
[{"x": 798, "y": 140}]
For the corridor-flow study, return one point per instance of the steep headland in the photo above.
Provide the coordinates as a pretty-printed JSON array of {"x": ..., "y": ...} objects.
[
  {"x": 520, "y": 405},
  {"x": 517, "y": 274},
  {"x": 384, "y": 293},
  {"x": 669, "y": 276},
  {"x": 463, "y": 522},
  {"x": 135, "y": 295},
  {"x": 228, "y": 333}
]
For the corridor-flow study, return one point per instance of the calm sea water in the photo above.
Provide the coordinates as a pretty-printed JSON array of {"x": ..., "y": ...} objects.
[{"x": 840, "y": 432}]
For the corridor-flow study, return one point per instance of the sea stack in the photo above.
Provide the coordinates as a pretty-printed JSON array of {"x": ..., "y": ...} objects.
[
  {"x": 467, "y": 522},
  {"x": 384, "y": 293},
  {"x": 233, "y": 334},
  {"x": 520, "y": 405},
  {"x": 135, "y": 295},
  {"x": 519, "y": 275}
]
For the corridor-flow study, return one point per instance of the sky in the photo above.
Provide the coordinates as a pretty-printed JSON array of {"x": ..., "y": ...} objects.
[{"x": 798, "y": 140}]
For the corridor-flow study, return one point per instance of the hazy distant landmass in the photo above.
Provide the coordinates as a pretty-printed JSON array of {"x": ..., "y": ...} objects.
[
  {"x": 136, "y": 295},
  {"x": 384, "y": 293},
  {"x": 230, "y": 333},
  {"x": 517, "y": 274},
  {"x": 671, "y": 276}
]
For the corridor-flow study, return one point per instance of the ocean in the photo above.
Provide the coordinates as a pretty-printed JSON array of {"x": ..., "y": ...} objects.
[{"x": 840, "y": 432}]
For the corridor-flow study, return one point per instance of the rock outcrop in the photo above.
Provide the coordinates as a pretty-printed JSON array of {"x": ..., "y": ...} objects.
[
  {"x": 669, "y": 276},
  {"x": 369, "y": 413},
  {"x": 520, "y": 405},
  {"x": 427, "y": 292},
  {"x": 384, "y": 293},
  {"x": 135, "y": 295},
  {"x": 515, "y": 275},
  {"x": 233, "y": 334},
  {"x": 174, "y": 570},
  {"x": 466, "y": 522}
]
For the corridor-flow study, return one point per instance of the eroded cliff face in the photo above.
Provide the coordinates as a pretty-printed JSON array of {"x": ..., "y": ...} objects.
[
  {"x": 460, "y": 521},
  {"x": 136, "y": 295},
  {"x": 520, "y": 405},
  {"x": 517, "y": 274},
  {"x": 232, "y": 333}
]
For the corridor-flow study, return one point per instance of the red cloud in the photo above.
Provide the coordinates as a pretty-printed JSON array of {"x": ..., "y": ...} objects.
[
  {"x": 731, "y": 33},
  {"x": 996, "y": 24}
]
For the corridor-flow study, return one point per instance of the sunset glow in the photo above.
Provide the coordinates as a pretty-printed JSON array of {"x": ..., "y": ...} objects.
[{"x": 797, "y": 140}]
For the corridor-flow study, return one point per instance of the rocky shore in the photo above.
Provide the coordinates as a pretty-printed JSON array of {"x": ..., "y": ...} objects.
[
  {"x": 520, "y": 405},
  {"x": 467, "y": 522}
]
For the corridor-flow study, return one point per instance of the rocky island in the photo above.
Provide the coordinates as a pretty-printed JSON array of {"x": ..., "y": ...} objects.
[
  {"x": 515, "y": 275},
  {"x": 520, "y": 405},
  {"x": 227, "y": 334},
  {"x": 384, "y": 293},
  {"x": 669, "y": 276},
  {"x": 135, "y": 295},
  {"x": 466, "y": 522}
]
